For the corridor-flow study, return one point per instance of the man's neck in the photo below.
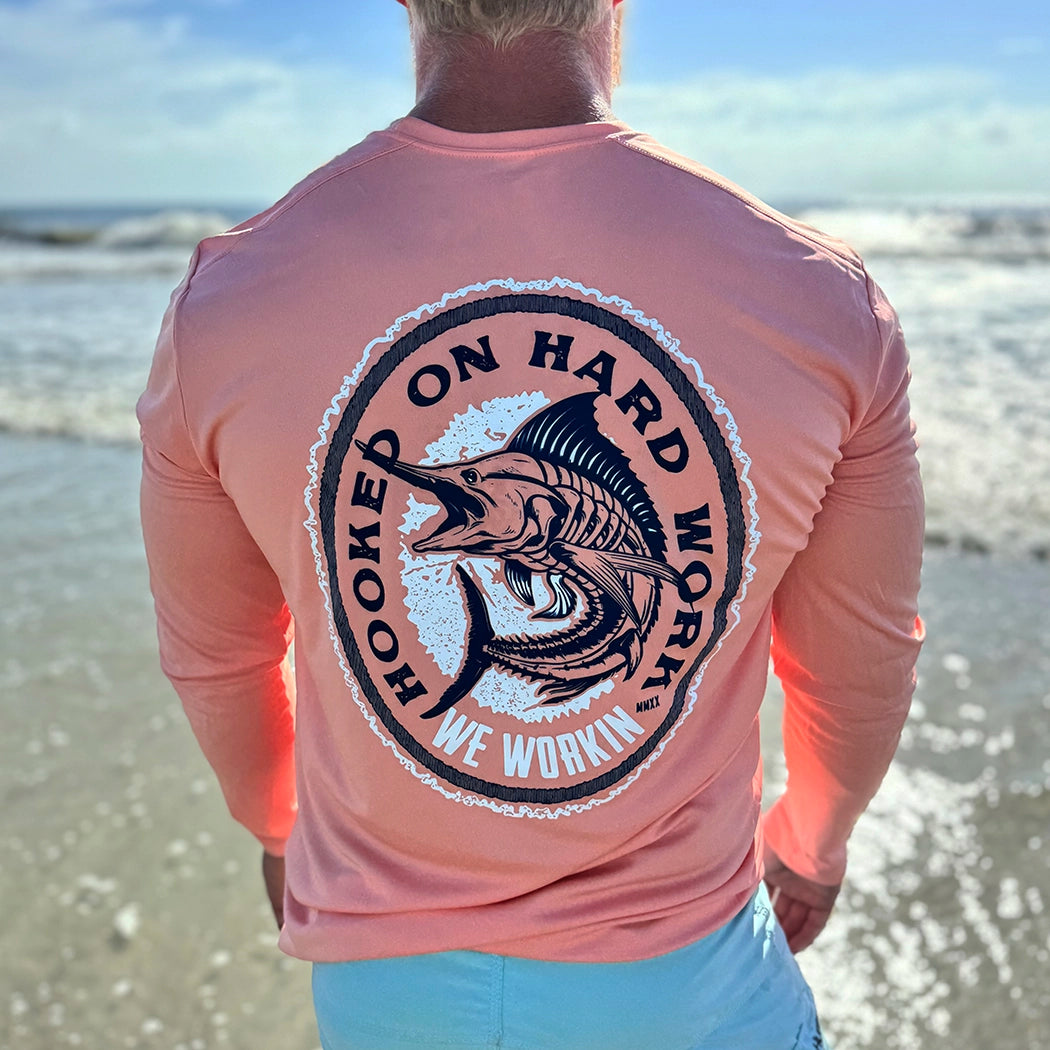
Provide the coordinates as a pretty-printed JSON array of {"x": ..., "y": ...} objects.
[{"x": 540, "y": 80}]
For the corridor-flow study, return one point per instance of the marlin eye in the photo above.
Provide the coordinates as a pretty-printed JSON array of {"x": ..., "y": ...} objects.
[{"x": 471, "y": 476}]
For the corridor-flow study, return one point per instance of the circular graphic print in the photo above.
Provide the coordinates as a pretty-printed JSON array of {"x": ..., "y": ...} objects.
[{"x": 531, "y": 530}]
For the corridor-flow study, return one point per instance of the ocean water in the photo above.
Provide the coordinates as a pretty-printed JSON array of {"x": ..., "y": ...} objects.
[
  {"x": 113, "y": 850},
  {"x": 81, "y": 292}
]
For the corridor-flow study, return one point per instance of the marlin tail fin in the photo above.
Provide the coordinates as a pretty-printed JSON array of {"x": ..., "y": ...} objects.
[{"x": 477, "y": 660}]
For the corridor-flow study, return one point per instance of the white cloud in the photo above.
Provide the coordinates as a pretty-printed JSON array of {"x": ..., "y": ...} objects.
[
  {"x": 96, "y": 104},
  {"x": 840, "y": 132}
]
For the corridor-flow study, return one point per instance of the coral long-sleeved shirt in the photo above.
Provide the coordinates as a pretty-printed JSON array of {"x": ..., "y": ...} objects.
[{"x": 541, "y": 439}]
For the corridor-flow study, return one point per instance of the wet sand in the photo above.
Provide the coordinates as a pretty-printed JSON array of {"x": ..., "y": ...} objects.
[
  {"x": 134, "y": 912},
  {"x": 135, "y": 915}
]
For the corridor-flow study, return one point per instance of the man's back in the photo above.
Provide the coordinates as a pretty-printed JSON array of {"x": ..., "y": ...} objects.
[{"x": 558, "y": 411}]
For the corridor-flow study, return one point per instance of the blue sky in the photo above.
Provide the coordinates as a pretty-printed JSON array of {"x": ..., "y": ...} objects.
[{"x": 233, "y": 100}]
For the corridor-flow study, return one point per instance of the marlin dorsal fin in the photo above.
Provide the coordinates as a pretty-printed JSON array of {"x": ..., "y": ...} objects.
[{"x": 567, "y": 435}]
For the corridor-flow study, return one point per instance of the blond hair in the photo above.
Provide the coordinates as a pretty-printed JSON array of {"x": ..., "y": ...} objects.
[{"x": 503, "y": 20}]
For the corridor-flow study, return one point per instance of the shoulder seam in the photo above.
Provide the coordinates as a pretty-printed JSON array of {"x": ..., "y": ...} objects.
[
  {"x": 880, "y": 344},
  {"x": 850, "y": 259},
  {"x": 175, "y": 311},
  {"x": 283, "y": 206},
  {"x": 869, "y": 283}
]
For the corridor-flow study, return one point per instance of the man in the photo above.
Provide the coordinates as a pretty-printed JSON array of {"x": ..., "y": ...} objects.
[{"x": 576, "y": 429}]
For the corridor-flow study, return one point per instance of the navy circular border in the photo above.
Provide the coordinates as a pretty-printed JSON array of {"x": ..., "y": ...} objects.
[{"x": 621, "y": 329}]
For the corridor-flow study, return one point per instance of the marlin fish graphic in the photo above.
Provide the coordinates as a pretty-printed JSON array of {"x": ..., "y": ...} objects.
[{"x": 561, "y": 501}]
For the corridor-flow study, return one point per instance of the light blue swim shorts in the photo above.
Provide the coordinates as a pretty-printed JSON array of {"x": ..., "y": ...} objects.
[{"x": 736, "y": 989}]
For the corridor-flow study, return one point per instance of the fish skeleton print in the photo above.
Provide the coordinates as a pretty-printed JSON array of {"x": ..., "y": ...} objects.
[{"x": 561, "y": 501}]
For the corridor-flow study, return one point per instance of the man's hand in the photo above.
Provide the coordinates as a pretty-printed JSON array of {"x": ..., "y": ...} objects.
[
  {"x": 801, "y": 905},
  {"x": 273, "y": 876}
]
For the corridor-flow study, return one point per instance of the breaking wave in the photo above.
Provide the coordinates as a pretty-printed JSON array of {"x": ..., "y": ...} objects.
[
  {"x": 72, "y": 243},
  {"x": 1018, "y": 233}
]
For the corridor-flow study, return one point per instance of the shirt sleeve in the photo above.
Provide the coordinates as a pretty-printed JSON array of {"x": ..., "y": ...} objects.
[
  {"x": 223, "y": 626},
  {"x": 846, "y": 632}
]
